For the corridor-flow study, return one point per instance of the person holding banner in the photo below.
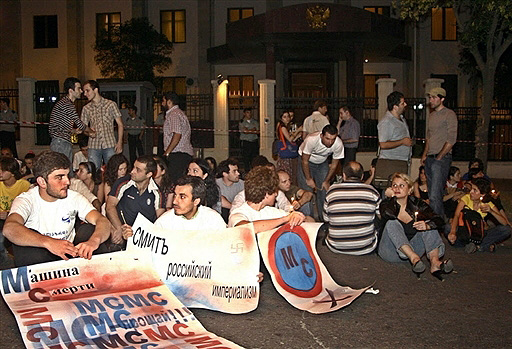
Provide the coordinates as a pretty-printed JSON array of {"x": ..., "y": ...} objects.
[
  {"x": 41, "y": 223},
  {"x": 261, "y": 186}
]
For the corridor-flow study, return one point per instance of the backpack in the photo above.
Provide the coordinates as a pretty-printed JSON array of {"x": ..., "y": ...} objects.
[{"x": 471, "y": 227}]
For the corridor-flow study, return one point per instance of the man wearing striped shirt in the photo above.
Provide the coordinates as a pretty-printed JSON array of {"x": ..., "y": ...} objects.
[
  {"x": 350, "y": 209},
  {"x": 64, "y": 118}
]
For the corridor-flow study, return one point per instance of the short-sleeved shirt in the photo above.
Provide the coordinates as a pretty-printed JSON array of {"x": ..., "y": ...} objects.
[
  {"x": 8, "y": 194},
  {"x": 313, "y": 146},
  {"x": 250, "y": 124},
  {"x": 247, "y": 213},
  {"x": 54, "y": 219},
  {"x": 205, "y": 219},
  {"x": 134, "y": 126},
  {"x": 315, "y": 122},
  {"x": 350, "y": 130},
  {"x": 229, "y": 192},
  {"x": 177, "y": 122},
  {"x": 78, "y": 158},
  {"x": 442, "y": 128},
  {"x": 63, "y": 118},
  {"x": 131, "y": 202},
  {"x": 466, "y": 199},
  {"x": 8, "y": 115},
  {"x": 282, "y": 201},
  {"x": 392, "y": 129},
  {"x": 100, "y": 117}
]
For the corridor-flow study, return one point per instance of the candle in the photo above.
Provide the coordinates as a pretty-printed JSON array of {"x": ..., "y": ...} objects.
[{"x": 416, "y": 216}]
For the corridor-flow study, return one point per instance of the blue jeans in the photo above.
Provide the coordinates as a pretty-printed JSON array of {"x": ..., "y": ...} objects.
[
  {"x": 60, "y": 145},
  {"x": 394, "y": 237},
  {"x": 96, "y": 155},
  {"x": 494, "y": 235},
  {"x": 437, "y": 174},
  {"x": 318, "y": 173}
]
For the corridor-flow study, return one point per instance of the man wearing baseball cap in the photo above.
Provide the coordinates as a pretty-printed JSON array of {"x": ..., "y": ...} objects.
[{"x": 437, "y": 155}]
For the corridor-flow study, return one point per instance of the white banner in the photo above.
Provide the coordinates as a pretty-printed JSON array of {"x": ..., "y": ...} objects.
[
  {"x": 111, "y": 301},
  {"x": 298, "y": 273},
  {"x": 215, "y": 270}
]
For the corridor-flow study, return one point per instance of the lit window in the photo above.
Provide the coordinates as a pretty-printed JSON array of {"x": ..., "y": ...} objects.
[
  {"x": 235, "y": 14},
  {"x": 175, "y": 84},
  {"x": 46, "y": 33},
  {"x": 380, "y": 10},
  {"x": 241, "y": 91},
  {"x": 444, "y": 24},
  {"x": 173, "y": 25},
  {"x": 106, "y": 23}
]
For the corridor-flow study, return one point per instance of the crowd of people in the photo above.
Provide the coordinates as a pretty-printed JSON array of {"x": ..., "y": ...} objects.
[{"x": 57, "y": 205}]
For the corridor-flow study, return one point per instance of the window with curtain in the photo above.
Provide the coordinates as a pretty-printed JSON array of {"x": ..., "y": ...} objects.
[
  {"x": 235, "y": 14},
  {"x": 173, "y": 25},
  {"x": 106, "y": 23},
  {"x": 444, "y": 24}
]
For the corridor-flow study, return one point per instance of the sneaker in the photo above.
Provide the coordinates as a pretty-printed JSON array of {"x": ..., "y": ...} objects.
[{"x": 470, "y": 248}]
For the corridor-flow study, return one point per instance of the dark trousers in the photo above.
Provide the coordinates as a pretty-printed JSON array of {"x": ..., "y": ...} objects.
[
  {"x": 134, "y": 143},
  {"x": 8, "y": 139},
  {"x": 177, "y": 164},
  {"x": 26, "y": 255},
  {"x": 249, "y": 151}
]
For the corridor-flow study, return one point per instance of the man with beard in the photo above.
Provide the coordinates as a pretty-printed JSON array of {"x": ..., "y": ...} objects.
[{"x": 41, "y": 223}]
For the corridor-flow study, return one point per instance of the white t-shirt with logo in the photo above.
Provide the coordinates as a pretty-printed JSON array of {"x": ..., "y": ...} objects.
[{"x": 54, "y": 219}]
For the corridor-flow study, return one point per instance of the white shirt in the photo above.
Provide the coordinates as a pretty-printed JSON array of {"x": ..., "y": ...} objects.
[
  {"x": 282, "y": 201},
  {"x": 54, "y": 219},
  {"x": 313, "y": 146},
  {"x": 205, "y": 219},
  {"x": 315, "y": 122},
  {"x": 247, "y": 213}
]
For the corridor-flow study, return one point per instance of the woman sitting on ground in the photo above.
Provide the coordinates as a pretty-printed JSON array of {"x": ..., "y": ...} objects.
[
  {"x": 87, "y": 173},
  {"x": 420, "y": 186},
  {"x": 453, "y": 191},
  {"x": 199, "y": 168},
  {"x": 163, "y": 179},
  {"x": 116, "y": 168},
  {"x": 411, "y": 229},
  {"x": 478, "y": 200}
]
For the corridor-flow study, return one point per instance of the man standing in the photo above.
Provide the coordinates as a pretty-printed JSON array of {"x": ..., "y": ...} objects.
[
  {"x": 133, "y": 195},
  {"x": 41, "y": 223},
  {"x": 349, "y": 131},
  {"x": 316, "y": 172},
  {"x": 100, "y": 114},
  {"x": 135, "y": 128},
  {"x": 260, "y": 193},
  {"x": 249, "y": 130},
  {"x": 316, "y": 121},
  {"x": 437, "y": 155},
  {"x": 350, "y": 209},
  {"x": 177, "y": 146},
  {"x": 229, "y": 183},
  {"x": 64, "y": 118},
  {"x": 394, "y": 139},
  {"x": 7, "y": 130}
]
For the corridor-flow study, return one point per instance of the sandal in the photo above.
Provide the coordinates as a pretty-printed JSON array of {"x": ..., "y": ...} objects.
[
  {"x": 418, "y": 268},
  {"x": 446, "y": 267}
]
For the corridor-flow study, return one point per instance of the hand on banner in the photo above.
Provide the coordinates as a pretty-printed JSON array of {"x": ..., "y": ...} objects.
[
  {"x": 127, "y": 231},
  {"x": 260, "y": 276},
  {"x": 61, "y": 248},
  {"x": 85, "y": 249},
  {"x": 296, "y": 218}
]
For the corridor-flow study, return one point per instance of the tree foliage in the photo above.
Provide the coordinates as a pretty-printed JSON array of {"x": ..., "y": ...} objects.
[
  {"x": 133, "y": 51},
  {"x": 485, "y": 33}
]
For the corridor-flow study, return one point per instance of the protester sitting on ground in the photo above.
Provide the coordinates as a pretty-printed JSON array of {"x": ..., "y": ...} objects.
[
  {"x": 369, "y": 175},
  {"x": 117, "y": 167},
  {"x": 26, "y": 167},
  {"x": 475, "y": 163},
  {"x": 88, "y": 174},
  {"x": 282, "y": 201},
  {"x": 83, "y": 154},
  {"x": 41, "y": 223},
  {"x": 454, "y": 190},
  {"x": 350, "y": 208},
  {"x": 261, "y": 186},
  {"x": 134, "y": 194},
  {"x": 163, "y": 179},
  {"x": 420, "y": 186},
  {"x": 11, "y": 185},
  {"x": 229, "y": 183},
  {"x": 300, "y": 199},
  {"x": 7, "y": 152},
  {"x": 212, "y": 163},
  {"x": 478, "y": 200},
  {"x": 200, "y": 168},
  {"x": 411, "y": 229}
]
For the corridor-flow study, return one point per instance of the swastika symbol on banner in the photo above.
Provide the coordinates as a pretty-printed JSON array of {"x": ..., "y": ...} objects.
[{"x": 238, "y": 247}]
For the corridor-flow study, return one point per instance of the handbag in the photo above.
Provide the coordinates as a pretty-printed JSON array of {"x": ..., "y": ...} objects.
[
  {"x": 471, "y": 227},
  {"x": 385, "y": 168},
  {"x": 286, "y": 149}
]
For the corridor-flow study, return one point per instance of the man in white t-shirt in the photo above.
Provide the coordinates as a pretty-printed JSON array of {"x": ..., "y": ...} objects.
[
  {"x": 315, "y": 172},
  {"x": 261, "y": 185},
  {"x": 41, "y": 223},
  {"x": 189, "y": 211},
  {"x": 317, "y": 120}
]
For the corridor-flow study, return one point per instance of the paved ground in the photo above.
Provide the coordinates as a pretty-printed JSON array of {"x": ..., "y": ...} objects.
[{"x": 471, "y": 308}]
